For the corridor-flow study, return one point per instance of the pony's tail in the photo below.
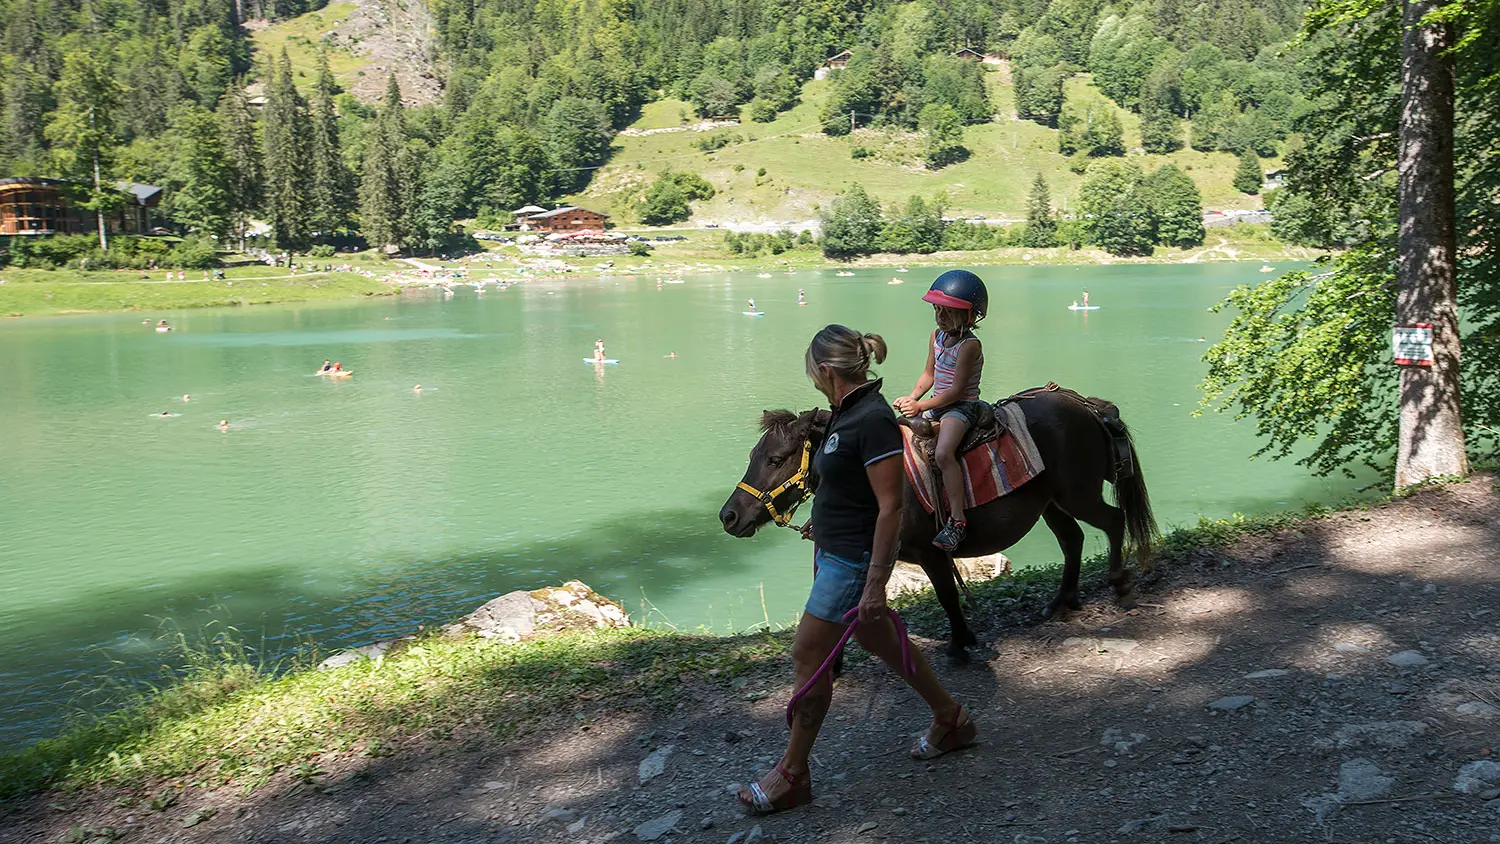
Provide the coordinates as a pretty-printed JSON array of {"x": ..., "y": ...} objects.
[{"x": 1131, "y": 496}]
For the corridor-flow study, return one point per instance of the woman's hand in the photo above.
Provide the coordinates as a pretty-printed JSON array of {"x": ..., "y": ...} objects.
[{"x": 872, "y": 603}]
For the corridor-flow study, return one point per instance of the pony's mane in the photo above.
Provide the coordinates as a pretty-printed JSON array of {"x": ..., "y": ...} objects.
[{"x": 777, "y": 422}]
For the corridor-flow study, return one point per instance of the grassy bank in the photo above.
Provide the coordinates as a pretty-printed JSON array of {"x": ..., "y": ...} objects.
[
  {"x": 229, "y": 721},
  {"x": 43, "y": 292},
  {"x": 46, "y": 292}
]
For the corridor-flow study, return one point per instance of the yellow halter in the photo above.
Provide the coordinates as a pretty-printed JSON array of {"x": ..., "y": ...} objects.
[{"x": 798, "y": 482}]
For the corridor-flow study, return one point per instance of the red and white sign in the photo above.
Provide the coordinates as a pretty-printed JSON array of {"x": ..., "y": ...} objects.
[{"x": 1412, "y": 344}]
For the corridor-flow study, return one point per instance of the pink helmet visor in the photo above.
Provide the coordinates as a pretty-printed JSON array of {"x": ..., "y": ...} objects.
[{"x": 938, "y": 297}]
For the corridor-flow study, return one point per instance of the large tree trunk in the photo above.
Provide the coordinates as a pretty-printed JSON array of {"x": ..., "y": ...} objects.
[{"x": 1432, "y": 434}]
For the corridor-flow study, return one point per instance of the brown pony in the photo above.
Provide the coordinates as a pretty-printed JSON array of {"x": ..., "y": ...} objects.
[{"x": 1082, "y": 443}]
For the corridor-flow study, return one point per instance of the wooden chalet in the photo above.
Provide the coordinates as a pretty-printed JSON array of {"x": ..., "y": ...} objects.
[
  {"x": 969, "y": 53},
  {"x": 838, "y": 61},
  {"x": 42, "y": 207},
  {"x": 569, "y": 218}
]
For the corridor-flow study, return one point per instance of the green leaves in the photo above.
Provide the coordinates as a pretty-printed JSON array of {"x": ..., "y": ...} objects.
[{"x": 1305, "y": 356}]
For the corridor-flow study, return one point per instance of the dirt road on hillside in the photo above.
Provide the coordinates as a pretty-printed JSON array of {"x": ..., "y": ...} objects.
[{"x": 1338, "y": 682}]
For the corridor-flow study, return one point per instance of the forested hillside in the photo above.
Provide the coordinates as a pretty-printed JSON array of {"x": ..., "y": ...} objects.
[{"x": 533, "y": 91}]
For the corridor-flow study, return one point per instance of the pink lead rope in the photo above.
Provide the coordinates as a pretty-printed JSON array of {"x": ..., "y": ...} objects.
[{"x": 851, "y": 618}]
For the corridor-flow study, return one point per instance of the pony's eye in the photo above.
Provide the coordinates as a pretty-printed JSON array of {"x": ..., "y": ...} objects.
[{"x": 774, "y": 462}]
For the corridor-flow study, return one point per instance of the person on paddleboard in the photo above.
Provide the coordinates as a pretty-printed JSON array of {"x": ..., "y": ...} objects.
[
  {"x": 801, "y": 296},
  {"x": 955, "y": 359},
  {"x": 1085, "y": 299},
  {"x": 599, "y": 350},
  {"x": 855, "y": 523},
  {"x": 751, "y": 302}
]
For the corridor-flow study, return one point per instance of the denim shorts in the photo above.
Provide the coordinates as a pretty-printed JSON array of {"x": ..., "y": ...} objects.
[{"x": 838, "y": 584}]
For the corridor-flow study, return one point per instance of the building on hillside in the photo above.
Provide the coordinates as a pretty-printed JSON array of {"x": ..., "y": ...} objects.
[
  {"x": 569, "y": 218},
  {"x": 42, "y": 207},
  {"x": 838, "y": 61},
  {"x": 521, "y": 214},
  {"x": 969, "y": 53}
]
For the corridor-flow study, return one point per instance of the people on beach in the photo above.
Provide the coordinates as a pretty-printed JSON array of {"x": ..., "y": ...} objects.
[
  {"x": 955, "y": 360},
  {"x": 855, "y": 522}
]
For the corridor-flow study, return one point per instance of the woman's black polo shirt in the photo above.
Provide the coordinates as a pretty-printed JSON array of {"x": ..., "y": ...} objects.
[{"x": 862, "y": 431}]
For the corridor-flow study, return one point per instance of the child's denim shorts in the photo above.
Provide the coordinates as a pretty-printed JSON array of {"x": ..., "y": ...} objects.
[{"x": 838, "y": 583}]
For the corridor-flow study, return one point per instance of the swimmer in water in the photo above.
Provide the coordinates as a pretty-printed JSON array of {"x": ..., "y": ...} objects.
[
  {"x": 417, "y": 389},
  {"x": 223, "y": 424},
  {"x": 185, "y": 397},
  {"x": 164, "y": 413},
  {"x": 801, "y": 296},
  {"x": 672, "y": 355}
]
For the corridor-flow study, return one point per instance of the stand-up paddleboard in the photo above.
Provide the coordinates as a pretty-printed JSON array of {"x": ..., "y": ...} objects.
[
  {"x": 753, "y": 313},
  {"x": 606, "y": 360},
  {"x": 1083, "y": 307}
]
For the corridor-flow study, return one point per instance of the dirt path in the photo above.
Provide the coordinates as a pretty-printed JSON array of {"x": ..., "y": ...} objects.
[{"x": 1326, "y": 684}]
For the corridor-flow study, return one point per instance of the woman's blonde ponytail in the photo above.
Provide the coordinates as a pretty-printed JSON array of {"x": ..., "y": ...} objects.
[{"x": 845, "y": 351}]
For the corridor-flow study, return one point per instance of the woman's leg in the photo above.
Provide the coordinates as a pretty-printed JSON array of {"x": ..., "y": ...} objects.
[
  {"x": 950, "y": 435},
  {"x": 816, "y": 639},
  {"x": 880, "y": 638}
]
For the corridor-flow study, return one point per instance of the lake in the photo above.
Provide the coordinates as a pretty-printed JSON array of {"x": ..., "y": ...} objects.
[{"x": 339, "y": 512}]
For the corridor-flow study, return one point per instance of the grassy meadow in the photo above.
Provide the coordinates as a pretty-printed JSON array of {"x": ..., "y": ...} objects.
[
  {"x": 803, "y": 168},
  {"x": 46, "y": 292}
]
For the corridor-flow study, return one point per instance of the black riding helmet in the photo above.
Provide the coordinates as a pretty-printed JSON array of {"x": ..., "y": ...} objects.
[{"x": 960, "y": 289}]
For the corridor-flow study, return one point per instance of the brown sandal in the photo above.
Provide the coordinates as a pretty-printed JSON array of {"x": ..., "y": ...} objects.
[
  {"x": 757, "y": 802},
  {"x": 959, "y": 732}
]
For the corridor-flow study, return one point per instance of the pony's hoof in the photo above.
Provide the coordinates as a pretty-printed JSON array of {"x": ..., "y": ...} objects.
[
  {"x": 958, "y": 654},
  {"x": 1060, "y": 607}
]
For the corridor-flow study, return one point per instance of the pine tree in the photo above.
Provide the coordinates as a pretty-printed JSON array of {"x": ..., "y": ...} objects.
[
  {"x": 329, "y": 182},
  {"x": 1041, "y": 225},
  {"x": 202, "y": 169},
  {"x": 1161, "y": 131},
  {"x": 243, "y": 154},
  {"x": 386, "y": 183},
  {"x": 1248, "y": 178},
  {"x": 286, "y": 129}
]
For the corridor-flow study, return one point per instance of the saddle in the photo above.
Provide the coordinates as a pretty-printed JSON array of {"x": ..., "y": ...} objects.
[{"x": 984, "y": 426}]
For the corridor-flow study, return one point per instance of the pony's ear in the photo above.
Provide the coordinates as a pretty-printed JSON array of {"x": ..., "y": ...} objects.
[{"x": 815, "y": 419}]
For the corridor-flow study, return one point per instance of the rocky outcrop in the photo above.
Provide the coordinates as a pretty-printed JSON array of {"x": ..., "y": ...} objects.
[
  {"x": 518, "y": 615},
  {"x": 512, "y": 617},
  {"x": 909, "y": 578}
]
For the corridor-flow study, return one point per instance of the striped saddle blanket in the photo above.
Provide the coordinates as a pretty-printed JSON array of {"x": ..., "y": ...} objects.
[{"x": 991, "y": 470}]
